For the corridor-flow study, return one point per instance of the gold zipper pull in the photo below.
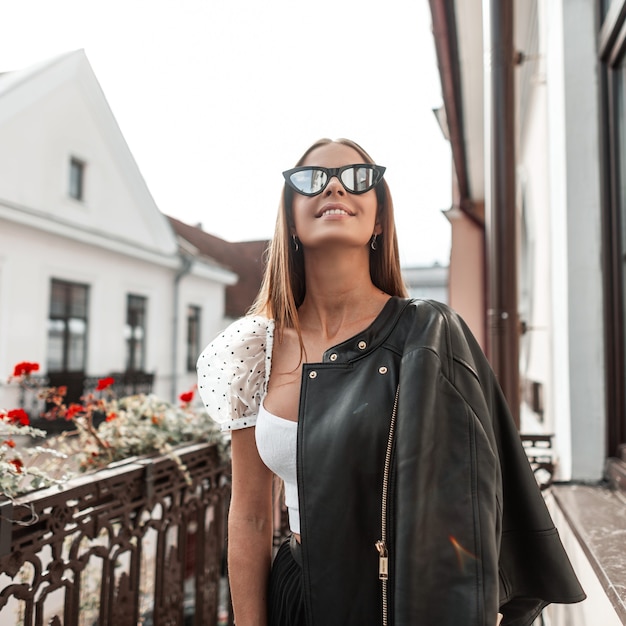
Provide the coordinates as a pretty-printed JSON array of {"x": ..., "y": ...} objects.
[{"x": 383, "y": 560}]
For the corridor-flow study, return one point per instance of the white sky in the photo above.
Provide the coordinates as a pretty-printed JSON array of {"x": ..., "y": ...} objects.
[{"x": 217, "y": 98}]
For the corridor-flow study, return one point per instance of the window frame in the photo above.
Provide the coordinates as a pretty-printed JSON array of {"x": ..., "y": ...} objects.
[
  {"x": 611, "y": 53},
  {"x": 66, "y": 316},
  {"x": 76, "y": 182},
  {"x": 194, "y": 319},
  {"x": 135, "y": 348}
]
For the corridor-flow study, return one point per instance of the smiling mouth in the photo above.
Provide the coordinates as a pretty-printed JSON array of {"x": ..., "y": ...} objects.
[{"x": 334, "y": 212}]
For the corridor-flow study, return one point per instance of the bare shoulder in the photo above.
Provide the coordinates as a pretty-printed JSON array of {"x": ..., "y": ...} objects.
[
  {"x": 284, "y": 384},
  {"x": 286, "y": 350}
]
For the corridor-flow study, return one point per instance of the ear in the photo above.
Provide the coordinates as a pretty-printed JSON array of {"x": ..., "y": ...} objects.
[{"x": 378, "y": 229}]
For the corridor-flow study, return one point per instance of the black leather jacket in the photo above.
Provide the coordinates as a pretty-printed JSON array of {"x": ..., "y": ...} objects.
[{"x": 469, "y": 532}]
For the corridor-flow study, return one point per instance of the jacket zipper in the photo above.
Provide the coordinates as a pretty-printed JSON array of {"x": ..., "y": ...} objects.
[{"x": 381, "y": 544}]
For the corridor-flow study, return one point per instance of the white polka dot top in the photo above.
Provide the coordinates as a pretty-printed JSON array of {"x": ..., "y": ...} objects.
[{"x": 233, "y": 371}]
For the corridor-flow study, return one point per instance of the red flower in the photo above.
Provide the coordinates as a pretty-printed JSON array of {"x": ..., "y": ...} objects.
[
  {"x": 10, "y": 443},
  {"x": 110, "y": 417},
  {"x": 18, "y": 416},
  {"x": 186, "y": 397},
  {"x": 73, "y": 410},
  {"x": 103, "y": 383},
  {"x": 17, "y": 465},
  {"x": 25, "y": 368}
]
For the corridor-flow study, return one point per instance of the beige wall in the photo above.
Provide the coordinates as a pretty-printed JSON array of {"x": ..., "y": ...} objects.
[{"x": 467, "y": 275}]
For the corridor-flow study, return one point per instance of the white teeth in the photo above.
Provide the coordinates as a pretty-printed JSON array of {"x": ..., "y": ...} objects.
[{"x": 335, "y": 212}]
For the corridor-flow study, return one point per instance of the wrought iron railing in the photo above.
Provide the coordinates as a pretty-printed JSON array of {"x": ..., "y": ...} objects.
[
  {"x": 541, "y": 457},
  {"x": 137, "y": 543}
]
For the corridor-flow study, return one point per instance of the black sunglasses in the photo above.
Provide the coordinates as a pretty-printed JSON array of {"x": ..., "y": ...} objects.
[{"x": 310, "y": 180}]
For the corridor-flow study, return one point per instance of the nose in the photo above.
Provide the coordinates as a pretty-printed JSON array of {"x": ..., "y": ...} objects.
[{"x": 334, "y": 186}]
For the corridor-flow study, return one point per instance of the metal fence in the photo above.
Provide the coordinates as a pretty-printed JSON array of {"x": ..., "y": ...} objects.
[{"x": 136, "y": 543}]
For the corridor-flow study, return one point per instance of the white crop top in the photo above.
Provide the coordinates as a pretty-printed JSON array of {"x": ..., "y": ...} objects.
[{"x": 276, "y": 442}]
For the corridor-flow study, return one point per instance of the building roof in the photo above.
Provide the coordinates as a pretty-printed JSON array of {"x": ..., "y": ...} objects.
[
  {"x": 10, "y": 79},
  {"x": 426, "y": 275},
  {"x": 245, "y": 258},
  {"x": 55, "y": 110}
]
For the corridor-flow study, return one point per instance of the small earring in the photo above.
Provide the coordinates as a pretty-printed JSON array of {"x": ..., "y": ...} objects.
[
  {"x": 296, "y": 245},
  {"x": 373, "y": 244}
]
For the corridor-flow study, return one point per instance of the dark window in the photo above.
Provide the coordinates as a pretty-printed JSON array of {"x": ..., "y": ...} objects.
[
  {"x": 612, "y": 52},
  {"x": 77, "y": 178},
  {"x": 67, "y": 327},
  {"x": 193, "y": 337},
  {"x": 135, "y": 332}
]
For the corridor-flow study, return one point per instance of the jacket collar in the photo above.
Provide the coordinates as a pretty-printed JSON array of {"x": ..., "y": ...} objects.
[{"x": 370, "y": 338}]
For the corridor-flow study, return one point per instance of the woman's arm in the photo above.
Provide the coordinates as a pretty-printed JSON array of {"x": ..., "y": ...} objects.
[{"x": 249, "y": 531}]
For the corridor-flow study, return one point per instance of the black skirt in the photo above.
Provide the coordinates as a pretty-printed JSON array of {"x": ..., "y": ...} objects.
[{"x": 285, "y": 604}]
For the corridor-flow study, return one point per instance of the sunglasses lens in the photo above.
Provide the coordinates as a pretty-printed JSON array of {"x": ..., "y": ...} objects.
[
  {"x": 309, "y": 181},
  {"x": 358, "y": 178}
]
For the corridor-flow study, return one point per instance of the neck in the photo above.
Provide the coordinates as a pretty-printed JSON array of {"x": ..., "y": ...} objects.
[{"x": 339, "y": 291}]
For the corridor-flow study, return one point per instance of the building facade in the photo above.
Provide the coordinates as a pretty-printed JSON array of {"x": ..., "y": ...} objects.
[
  {"x": 94, "y": 280},
  {"x": 427, "y": 281},
  {"x": 534, "y": 110}
]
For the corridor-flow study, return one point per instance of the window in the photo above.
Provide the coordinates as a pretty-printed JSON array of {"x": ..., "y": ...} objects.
[
  {"x": 135, "y": 333},
  {"x": 77, "y": 178},
  {"x": 67, "y": 327},
  {"x": 613, "y": 84},
  {"x": 193, "y": 337}
]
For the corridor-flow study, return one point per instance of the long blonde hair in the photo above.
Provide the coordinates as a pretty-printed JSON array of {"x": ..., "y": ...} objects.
[{"x": 284, "y": 283}]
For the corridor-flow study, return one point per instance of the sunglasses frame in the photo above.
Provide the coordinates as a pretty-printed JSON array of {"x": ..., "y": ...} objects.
[{"x": 332, "y": 172}]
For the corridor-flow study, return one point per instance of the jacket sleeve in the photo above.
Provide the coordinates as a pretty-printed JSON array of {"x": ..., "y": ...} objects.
[
  {"x": 447, "y": 515},
  {"x": 473, "y": 533},
  {"x": 534, "y": 569}
]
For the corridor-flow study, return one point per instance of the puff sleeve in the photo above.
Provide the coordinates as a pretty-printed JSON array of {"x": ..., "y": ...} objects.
[{"x": 233, "y": 371}]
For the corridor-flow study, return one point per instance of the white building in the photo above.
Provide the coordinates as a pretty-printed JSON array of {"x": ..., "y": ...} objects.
[
  {"x": 427, "y": 281},
  {"x": 93, "y": 280}
]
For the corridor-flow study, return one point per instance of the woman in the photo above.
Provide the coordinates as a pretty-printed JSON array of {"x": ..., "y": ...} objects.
[{"x": 410, "y": 497}]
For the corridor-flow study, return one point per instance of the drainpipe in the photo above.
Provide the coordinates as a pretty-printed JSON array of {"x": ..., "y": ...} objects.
[
  {"x": 185, "y": 267},
  {"x": 500, "y": 212}
]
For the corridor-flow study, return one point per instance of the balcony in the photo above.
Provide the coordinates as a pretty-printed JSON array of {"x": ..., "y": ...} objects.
[{"x": 139, "y": 542}]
